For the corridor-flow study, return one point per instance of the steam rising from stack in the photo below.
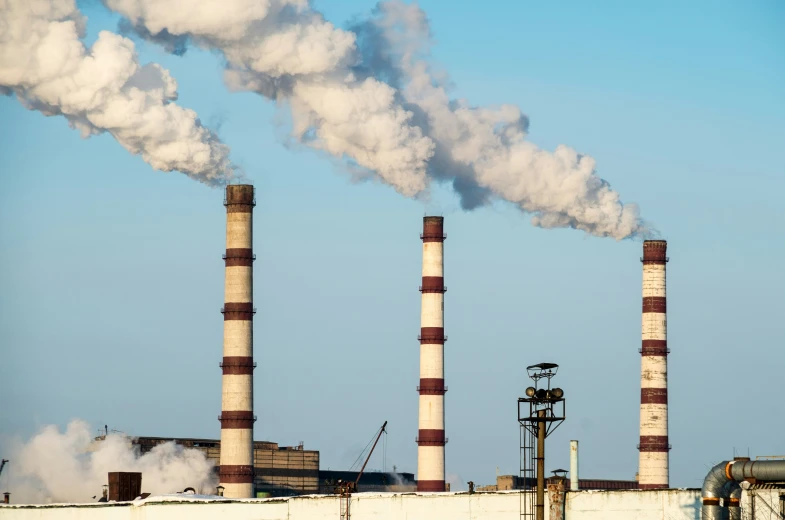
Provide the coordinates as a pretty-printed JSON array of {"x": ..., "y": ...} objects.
[
  {"x": 103, "y": 88},
  {"x": 369, "y": 97}
]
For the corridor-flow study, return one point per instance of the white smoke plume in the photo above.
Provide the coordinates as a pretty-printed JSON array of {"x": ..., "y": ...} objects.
[
  {"x": 484, "y": 149},
  {"x": 285, "y": 51},
  {"x": 369, "y": 96},
  {"x": 44, "y": 63},
  {"x": 69, "y": 466}
]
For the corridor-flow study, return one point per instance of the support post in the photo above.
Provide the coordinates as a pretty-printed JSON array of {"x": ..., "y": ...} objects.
[{"x": 540, "y": 506}]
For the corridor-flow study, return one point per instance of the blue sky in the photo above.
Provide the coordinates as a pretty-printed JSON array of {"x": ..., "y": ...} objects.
[{"x": 111, "y": 278}]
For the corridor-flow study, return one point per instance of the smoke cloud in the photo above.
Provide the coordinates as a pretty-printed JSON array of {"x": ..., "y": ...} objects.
[
  {"x": 44, "y": 63},
  {"x": 483, "y": 150},
  {"x": 369, "y": 96},
  {"x": 69, "y": 466}
]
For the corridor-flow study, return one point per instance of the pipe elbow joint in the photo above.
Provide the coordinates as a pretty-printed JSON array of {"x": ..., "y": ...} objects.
[{"x": 714, "y": 488}]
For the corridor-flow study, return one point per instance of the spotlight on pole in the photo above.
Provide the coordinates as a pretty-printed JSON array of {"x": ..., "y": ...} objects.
[{"x": 539, "y": 414}]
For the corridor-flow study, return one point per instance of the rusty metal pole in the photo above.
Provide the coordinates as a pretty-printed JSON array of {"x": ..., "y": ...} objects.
[
  {"x": 360, "y": 474},
  {"x": 540, "y": 506}
]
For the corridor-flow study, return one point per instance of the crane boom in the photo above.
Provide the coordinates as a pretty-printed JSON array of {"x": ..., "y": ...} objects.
[
  {"x": 3, "y": 463},
  {"x": 369, "y": 454}
]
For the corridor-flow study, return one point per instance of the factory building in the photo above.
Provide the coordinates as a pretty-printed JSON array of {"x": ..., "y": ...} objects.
[
  {"x": 277, "y": 470},
  {"x": 287, "y": 470}
]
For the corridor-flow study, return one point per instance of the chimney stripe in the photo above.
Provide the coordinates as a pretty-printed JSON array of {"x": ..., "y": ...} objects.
[
  {"x": 236, "y": 474},
  {"x": 432, "y": 284},
  {"x": 654, "y": 396},
  {"x": 237, "y": 419},
  {"x": 654, "y": 347},
  {"x": 654, "y": 443},
  {"x": 431, "y": 485},
  {"x": 237, "y": 365},
  {"x": 238, "y": 257},
  {"x": 654, "y": 304},
  {"x": 431, "y": 386},
  {"x": 432, "y": 335},
  {"x": 431, "y": 438}
]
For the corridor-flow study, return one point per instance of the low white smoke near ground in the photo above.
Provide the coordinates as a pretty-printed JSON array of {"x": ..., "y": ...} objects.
[
  {"x": 69, "y": 466},
  {"x": 44, "y": 63},
  {"x": 368, "y": 96},
  {"x": 456, "y": 482}
]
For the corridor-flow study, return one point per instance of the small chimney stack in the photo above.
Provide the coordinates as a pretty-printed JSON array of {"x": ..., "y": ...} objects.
[
  {"x": 6, "y": 498},
  {"x": 574, "y": 478},
  {"x": 124, "y": 486}
]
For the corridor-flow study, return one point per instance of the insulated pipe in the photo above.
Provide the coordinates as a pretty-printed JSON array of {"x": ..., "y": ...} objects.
[
  {"x": 236, "y": 464},
  {"x": 574, "y": 482},
  {"x": 654, "y": 446},
  {"x": 715, "y": 485},
  {"x": 766, "y": 470},
  {"x": 734, "y": 501},
  {"x": 431, "y": 439},
  {"x": 712, "y": 491}
]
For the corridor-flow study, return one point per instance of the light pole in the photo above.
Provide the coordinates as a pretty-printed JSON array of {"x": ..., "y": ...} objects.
[{"x": 539, "y": 413}]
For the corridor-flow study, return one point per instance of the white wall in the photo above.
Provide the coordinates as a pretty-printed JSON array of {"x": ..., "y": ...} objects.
[
  {"x": 763, "y": 503},
  {"x": 675, "y": 504}
]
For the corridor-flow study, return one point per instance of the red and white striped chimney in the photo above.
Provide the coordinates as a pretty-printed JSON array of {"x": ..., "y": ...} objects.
[
  {"x": 654, "y": 447},
  {"x": 431, "y": 440},
  {"x": 237, "y": 418}
]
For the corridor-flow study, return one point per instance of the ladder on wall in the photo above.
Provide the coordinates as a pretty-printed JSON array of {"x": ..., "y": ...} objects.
[
  {"x": 345, "y": 498},
  {"x": 527, "y": 476}
]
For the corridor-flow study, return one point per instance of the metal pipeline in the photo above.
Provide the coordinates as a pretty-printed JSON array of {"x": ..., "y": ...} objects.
[
  {"x": 734, "y": 502},
  {"x": 718, "y": 485}
]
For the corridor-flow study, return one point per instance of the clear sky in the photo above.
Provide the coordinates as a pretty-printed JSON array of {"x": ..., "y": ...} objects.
[{"x": 111, "y": 278}]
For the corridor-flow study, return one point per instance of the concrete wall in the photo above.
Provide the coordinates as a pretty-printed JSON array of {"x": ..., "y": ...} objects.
[
  {"x": 674, "y": 504},
  {"x": 760, "y": 503}
]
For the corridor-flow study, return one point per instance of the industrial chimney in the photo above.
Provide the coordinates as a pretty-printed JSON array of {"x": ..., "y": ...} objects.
[
  {"x": 653, "y": 447},
  {"x": 430, "y": 440},
  {"x": 237, "y": 418}
]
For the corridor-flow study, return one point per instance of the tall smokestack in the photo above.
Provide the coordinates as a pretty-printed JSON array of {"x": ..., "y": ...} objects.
[
  {"x": 653, "y": 461},
  {"x": 431, "y": 440},
  {"x": 237, "y": 418}
]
